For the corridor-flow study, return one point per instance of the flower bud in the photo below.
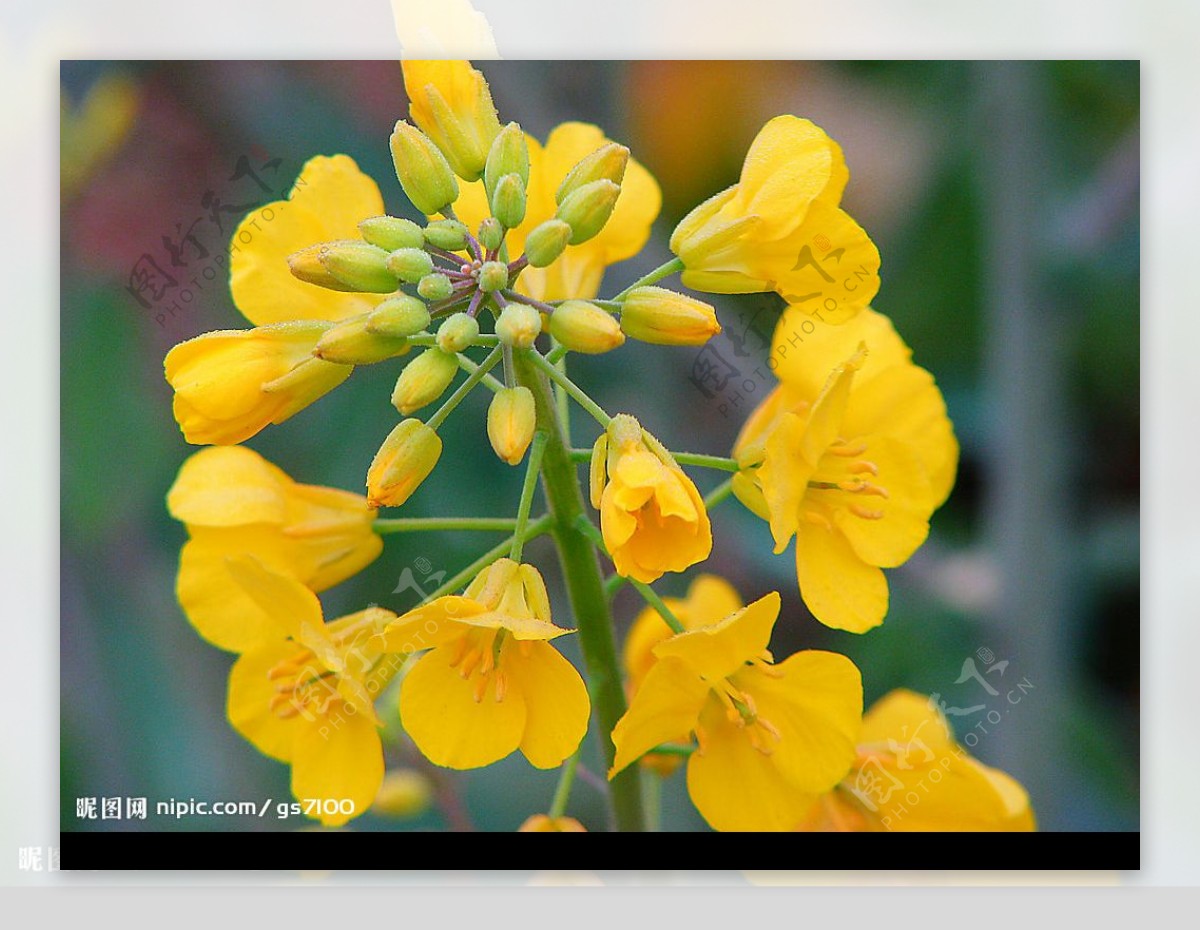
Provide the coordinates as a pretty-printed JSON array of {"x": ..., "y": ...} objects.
[
  {"x": 509, "y": 155},
  {"x": 518, "y": 326},
  {"x": 508, "y": 202},
  {"x": 546, "y": 242},
  {"x": 391, "y": 233},
  {"x": 404, "y": 793},
  {"x": 584, "y": 327},
  {"x": 358, "y": 265},
  {"x": 405, "y": 459},
  {"x": 491, "y": 234},
  {"x": 543, "y": 823},
  {"x": 435, "y": 286},
  {"x": 665, "y": 318},
  {"x": 450, "y": 235},
  {"x": 306, "y": 265},
  {"x": 410, "y": 265},
  {"x": 351, "y": 343},
  {"x": 398, "y": 316},
  {"x": 457, "y": 333},
  {"x": 607, "y": 163},
  {"x": 493, "y": 276},
  {"x": 452, "y": 103},
  {"x": 423, "y": 380},
  {"x": 511, "y": 421},
  {"x": 587, "y": 208},
  {"x": 423, "y": 171}
]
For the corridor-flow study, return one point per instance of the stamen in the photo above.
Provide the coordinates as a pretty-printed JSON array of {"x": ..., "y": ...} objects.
[
  {"x": 470, "y": 663},
  {"x": 864, "y": 467},
  {"x": 480, "y": 688},
  {"x": 847, "y": 451},
  {"x": 811, "y": 516},
  {"x": 865, "y": 513},
  {"x": 501, "y": 685},
  {"x": 460, "y": 650}
]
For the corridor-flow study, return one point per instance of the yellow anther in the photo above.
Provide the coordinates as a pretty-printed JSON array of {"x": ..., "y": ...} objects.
[
  {"x": 864, "y": 467},
  {"x": 501, "y": 688},
  {"x": 470, "y": 663},
  {"x": 865, "y": 513},
  {"x": 848, "y": 451},
  {"x": 480, "y": 688}
]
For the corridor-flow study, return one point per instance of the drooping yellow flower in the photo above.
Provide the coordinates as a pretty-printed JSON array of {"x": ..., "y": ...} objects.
[
  {"x": 490, "y": 682},
  {"x": 910, "y": 775},
  {"x": 304, "y": 692},
  {"x": 651, "y": 516},
  {"x": 231, "y": 384},
  {"x": 771, "y": 737},
  {"x": 236, "y": 503},
  {"x": 780, "y": 228},
  {"x": 854, "y": 472},
  {"x": 577, "y": 273}
]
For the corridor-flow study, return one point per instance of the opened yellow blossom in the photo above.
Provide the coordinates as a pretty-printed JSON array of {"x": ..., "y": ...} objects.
[
  {"x": 780, "y": 228},
  {"x": 910, "y": 775},
  {"x": 304, "y": 693},
  {"x": 236, "y": 503},
  {"x": 770, "y": 737},
  {"x": 490, "y": 682},
  {"x": 651, "y": 516},
  {"x": 854, "y": 473}
]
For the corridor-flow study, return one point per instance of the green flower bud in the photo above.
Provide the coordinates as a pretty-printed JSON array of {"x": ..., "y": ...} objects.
[
  {"x": 423, "y": 171},
  {"x": 511, "y": 421},
  {"x": 424, "y": 380},
  {"x": 457, "y": 333},
  {"x": 509, "y": 154},
  {"x": 410, "y": 265},
  {"x": 546, "y": 242},
  {"x": 491, "y": 234},
  {"x": 391, "y": 233},
  {"x": 306, "y": 266},
  {"x": 584, "y": 327},
  {"x": 435, "y": 286},
  {"x": 518, "y": 326},
  {"x": 607, "y": 163},
  {"x": 665, "y": 318},
  {"x": 398, "y": 316},
  {"x": 508, "y": 202},
  {"x": 351, "y": 343},
  {"x": 450, "y": 235},
  {"x": 587, "y": 208},
  {"x": 405, "y": 459},
  {"x": 358, "y": 265},
  {"x": 493, "y": 276}
]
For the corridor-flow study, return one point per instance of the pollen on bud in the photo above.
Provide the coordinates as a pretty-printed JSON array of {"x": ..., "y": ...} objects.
[
  {"x": 493, "y": 276},
  {"x": 584, "y": 327},
  {"x": 518, "y": 326},
  {"x": 511, "y": 421},
  {"x": 607, "y": 163},
  {"x": 306, "y": 266},
  {"x": 404, "y": 793},
  {"x": 508, "y": 201},
  {"x": 402, "y": 315},
  {"x": 405, "y": 459},
  {"x": 424, "y": 380},
  {"x": 509, "y": 154},
  {"x": 491, "y": 234},
  {"x": 663, "y": 317},
  {"x": 457, "y": 333},
  {"x": 587, "y": 208},
  {"x": 546, "y": 242},
  {"x": 351, "y": 343},
  {"x": 358, "y": 265},
  {"x": 422, "y": 169},
  {"x": 435, "y": 286},
  {"x": 450, "y": 235},
  {"x": 410, "y": 265},
  {"x": 391, "y": 233}
]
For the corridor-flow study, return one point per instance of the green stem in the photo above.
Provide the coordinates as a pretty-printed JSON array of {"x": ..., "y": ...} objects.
[
  {"x": 539, "y": 526},
  {"x": 577, "y": 393},
  {"x": 585, "y": 588},
  {"x": 489, "y": 381},
  {"x": 718, "y": 494},
  {"x": 464, "y": 389},
  {"x": 421, "y": 524},
  {"x": 670, "y": 749},
  {"x": 662, "y": 271},
  {"x": 531, "y": 476},
  {"x": 557, "y": 352},
  {"x": 683, "y": 458},
  {"x": 563, "y": 792}
]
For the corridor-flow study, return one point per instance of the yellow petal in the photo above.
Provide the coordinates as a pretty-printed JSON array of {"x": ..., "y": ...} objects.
[
  {"x": 848, "y": 276},
  {"x": 293, "y": 609},
  {"x": 665, "y": 708},
  {"x": 717, "y": 651},
  {"x": 840, "y": 589},
  {"x": 429, "y": 625},
  {"x": 330, "y": 197},
  {"x": 901, "y": 715},
  {"x": 228, "y": 486},
  {"x": 556, "y": 701},
  {"x": 337, "y": 758},
  {"x": 710, "y": 598},
  {"x": 439, "y": 711},
  {"x": 783, "y": 478},
  {"x": 647, "y": 631},
  {"x": 248, "y": 703},
  {"x": 804, "y": 348}
]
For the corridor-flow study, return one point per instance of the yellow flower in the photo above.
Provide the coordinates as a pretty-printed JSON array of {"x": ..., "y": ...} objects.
[
  {"x": 231, "y": 384},
  {"x": 910, "y": 775},
  {"x": 304, "y": 692},
  {"x": 490, "y": 683},
  {"x": 854, "y": 471},
  {"x": 577, "y": 273},
  {"x": 780, "y": 228},
  {"x": 235, "y": 502},
  {"x": 651, "y": 516},
  {"x": 542, "y": 823},
  {"x": 771, "y": 737},
  {"x": 451, "y": 103}
]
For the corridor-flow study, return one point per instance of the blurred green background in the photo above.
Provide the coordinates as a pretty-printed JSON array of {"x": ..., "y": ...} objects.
[{"x": 1004, "y": 200}]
